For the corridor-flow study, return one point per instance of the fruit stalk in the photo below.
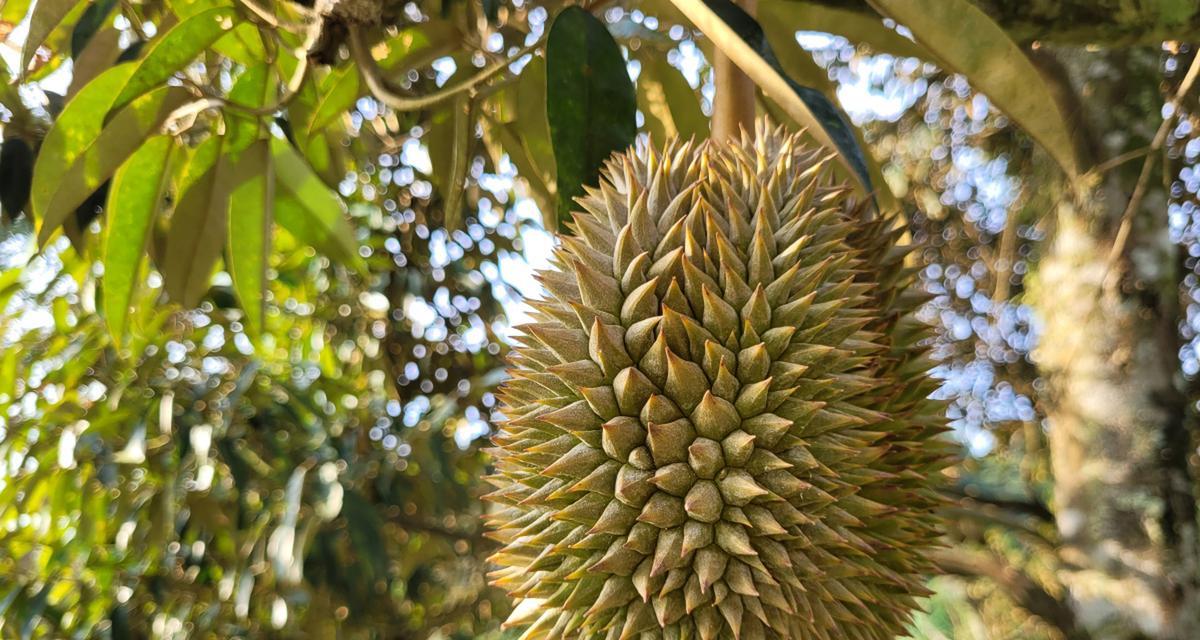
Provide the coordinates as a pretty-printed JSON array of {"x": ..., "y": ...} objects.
[{"x": 733, "y": 106}]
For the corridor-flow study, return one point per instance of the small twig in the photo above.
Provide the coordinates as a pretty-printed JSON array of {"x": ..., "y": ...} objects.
[
  {"x": 1139, "y": 189},
  {"x": 1112, "y": 163},
  {"x": 269, "y": 19},
  {"x": 381, "y": 89},
  {"x": 135, "y": 22},
  {"x": 290, "y": 91}
]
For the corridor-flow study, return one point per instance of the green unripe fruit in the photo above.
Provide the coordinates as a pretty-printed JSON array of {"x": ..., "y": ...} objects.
[{"x": 718, "y": 424}]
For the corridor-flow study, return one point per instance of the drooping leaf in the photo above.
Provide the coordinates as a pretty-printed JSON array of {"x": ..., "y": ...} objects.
[
  {"x": 171, "y": 51},
  {"x": 590, "y": 101},
  {"x": 338, "y": 92},
  {"x": 101, "y": 52},
  {"x": 532, "y": 121},
  {"x": 856, "y": 26},
  {"x": 251, "y": 216},
  {"x": 963, "y": 39},
  {"x": 60, "y": 185},
  {"x": 738, "y": 36},
  {"x": 47, "y": 14},
  {"x": 199, "y": 224},
  {"x": 16, "y": 176},
  {"x": 137, "y": 192},
  {"x": 665, "y": 95},
  {"x": 309, "y": 210}
]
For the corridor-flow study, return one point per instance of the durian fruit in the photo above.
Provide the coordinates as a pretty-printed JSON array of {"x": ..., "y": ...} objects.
[{"x": 717, "y": 425}]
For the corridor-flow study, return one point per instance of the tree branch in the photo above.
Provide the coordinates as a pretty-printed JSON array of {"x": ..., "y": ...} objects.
[
  {"x": 382, "y": 90},
  {"x": 1027, "y": 593}
]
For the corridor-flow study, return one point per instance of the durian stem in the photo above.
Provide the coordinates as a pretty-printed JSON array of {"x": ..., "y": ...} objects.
[{"x": 733, "y": 106}]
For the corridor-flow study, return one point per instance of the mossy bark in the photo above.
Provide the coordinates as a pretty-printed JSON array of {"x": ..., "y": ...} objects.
[{"x": 1119, "y": 426}]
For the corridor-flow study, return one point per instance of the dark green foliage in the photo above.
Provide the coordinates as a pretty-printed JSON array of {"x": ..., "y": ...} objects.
[{"x": 590, "y": 101}]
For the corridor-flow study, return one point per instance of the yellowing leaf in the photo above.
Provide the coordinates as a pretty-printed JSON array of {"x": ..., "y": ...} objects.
[
  {"x": 137, "y": 192},
  {"x": 963, "y": 39}
]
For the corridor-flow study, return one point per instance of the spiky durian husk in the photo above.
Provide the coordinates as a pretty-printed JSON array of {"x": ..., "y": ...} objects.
[{"x": 718, "y": 425}]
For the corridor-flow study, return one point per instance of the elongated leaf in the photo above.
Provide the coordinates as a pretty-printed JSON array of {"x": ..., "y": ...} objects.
[
  {"x": 199, "y": 224},
  {"x": 963, "y": 39},
  {"x": 738, "y": 36},
  {"x": 665, "y": 96},
  {"x": 590, "y": 101},
  {"x": 251, "y": 216},
  {"x": 532, "y": 121},
  {"x": 138, "y": 190},
  {"x": 174, "y": 49},
  {"x": 79, "y": 123},
  {"x": 47, "y": 14},
  {"x": 339, "y": 90},
  {"x": 856, "y": 26},
  {"x": 101, "y": 52},
  {"x": 309, "y": 210},
  {"x": 58, "y": 192}
]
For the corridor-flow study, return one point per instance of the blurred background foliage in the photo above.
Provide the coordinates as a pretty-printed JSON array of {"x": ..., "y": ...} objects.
[{"x": 322, "y": 479}]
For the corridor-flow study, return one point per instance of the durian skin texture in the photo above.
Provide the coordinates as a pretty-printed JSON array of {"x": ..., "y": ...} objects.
[{"x": 718, "y": 424}]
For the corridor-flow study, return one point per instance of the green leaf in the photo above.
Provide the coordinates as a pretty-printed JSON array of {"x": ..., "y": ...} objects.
[
  {"x": 532, "y": 121},
  {"x": 963, "y": 39},
  {"x": 174, "y": 49},
  {"x": 856, "y": 26},
  {"x": 138, "y": 190},
  {"x": 740, "y": 38},
  {"x": 47, "y": 14},
  {"x": 253, "y": 89},
  {"x": 251, "y": 217},
  {"x": 590, "y": 101},
  {"x": 102, "y": 52},
  {"x": 243, "y": 44},
  {"x": 666, "y": 97},
  {"x": 338, "y": 93},
  {"x": 198, "y": 226},
  {"x": 63, "y": 178},
  {"x": 309, "y": 210}
]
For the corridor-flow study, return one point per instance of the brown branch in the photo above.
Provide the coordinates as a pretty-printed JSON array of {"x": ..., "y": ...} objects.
[
  {"x": 385, "y": 93},
  {"x": 1024, "y": 591}
]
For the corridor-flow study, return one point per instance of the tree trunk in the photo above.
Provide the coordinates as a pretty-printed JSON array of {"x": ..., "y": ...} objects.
[{"x": 1119, "y": 428}]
